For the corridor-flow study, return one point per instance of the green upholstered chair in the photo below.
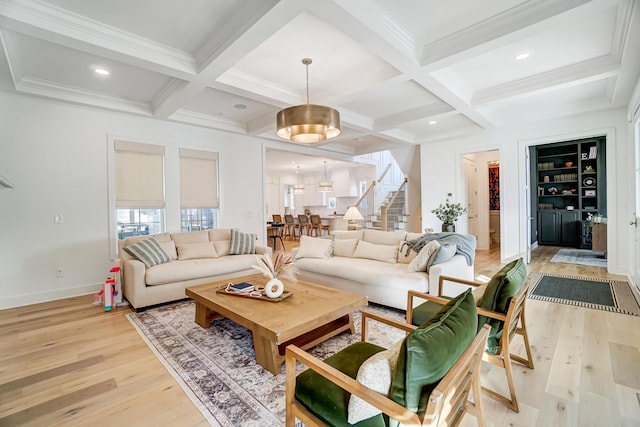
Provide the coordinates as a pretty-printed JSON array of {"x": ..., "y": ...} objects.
[
  {"x": 501, "y": 305},
  {"x": 438, "y": 364}
]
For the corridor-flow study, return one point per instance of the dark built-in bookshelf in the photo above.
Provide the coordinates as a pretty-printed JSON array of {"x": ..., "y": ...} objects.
[{"x": 570, "y": 182}]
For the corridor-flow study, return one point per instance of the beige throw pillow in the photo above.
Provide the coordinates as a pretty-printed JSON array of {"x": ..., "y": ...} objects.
[
  {"x": 419, "y": 263},
  {"x": 344, "y": 247},
  {"x": 384, "y": 253},
  {"x": 312, "y": 247},
  {"x": 222, "y": 247},
  {"x": 375, "y": 373},
  {"x": 197, "y": 250}
]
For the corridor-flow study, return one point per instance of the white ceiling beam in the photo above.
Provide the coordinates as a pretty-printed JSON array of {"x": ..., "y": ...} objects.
[
  {"x": 571, "y": 75},
  {"x": 80, "y": 96},
  {"x": 492, "y": 32},
  {"x": 53, "y": 24},
  {"x": 426, "y": 111},
  {"x": 206, "y": 120},
  {"x": 243, "y": 31}
]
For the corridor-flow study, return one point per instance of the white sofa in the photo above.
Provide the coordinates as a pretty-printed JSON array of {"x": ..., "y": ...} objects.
[
  {"x": 196, "y": 258},
  {"x": 375, "y": 272}
]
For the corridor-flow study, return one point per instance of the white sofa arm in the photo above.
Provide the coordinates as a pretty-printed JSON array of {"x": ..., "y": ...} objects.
[
  {"x": 133, "y": 284},
  {"x": 294, "y": 252},
  {"x": 456, "y": 267}
]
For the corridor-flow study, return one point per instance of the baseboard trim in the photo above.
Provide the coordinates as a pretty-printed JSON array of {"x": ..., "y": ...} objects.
[{"x": 40, "y": 297}]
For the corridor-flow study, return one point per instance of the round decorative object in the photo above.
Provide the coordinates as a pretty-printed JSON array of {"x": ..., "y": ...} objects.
[
  {"x": 589, "y": 182},
  {"x": 274, "y": 288}
]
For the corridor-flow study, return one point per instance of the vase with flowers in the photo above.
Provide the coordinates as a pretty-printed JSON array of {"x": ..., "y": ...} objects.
[
  {"x": 448, "y": 213},
  {"x": 280, "y": 266}
]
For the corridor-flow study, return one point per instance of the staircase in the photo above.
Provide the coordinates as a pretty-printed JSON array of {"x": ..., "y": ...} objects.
[{"x": 396, "y": 217}]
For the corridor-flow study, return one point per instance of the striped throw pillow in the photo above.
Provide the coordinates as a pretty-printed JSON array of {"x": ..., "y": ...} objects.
[
  {"x": 148, "y": 251},
  {"x": 242, "y": 243}
]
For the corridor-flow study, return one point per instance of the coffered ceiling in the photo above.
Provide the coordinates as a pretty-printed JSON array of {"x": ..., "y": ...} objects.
[{"x": 399, "y": 72}]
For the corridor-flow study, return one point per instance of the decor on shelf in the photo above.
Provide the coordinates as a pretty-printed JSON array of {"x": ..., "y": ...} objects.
[
  {"x": 353, "y": 215},
  {"x": 308, "y": 123},
  {"x": 298, "y": 188},
  {"x": 325, "y": 186},
  {"x": 448, "y": 213}
]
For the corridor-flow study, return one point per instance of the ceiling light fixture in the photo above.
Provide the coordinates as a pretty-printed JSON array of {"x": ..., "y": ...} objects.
[
  {"x": 523, "y": 55},
  {"x": 298, "y": 188},
  {"x": 308, "y": 123},
  {"x": 102, "y": 71},
  {"x": 325, "y": 186},
  {"x": 433, "y": 122}
]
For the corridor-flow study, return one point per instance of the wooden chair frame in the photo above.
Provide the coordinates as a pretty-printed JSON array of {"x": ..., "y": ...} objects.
[
  {"x": 290, "y": 227},
  {"x": 303, "y": 224},
  {"x": 514, "y": 322},
  {"x": 448, "y": 402},
  {"x": 315, "y": 225}
]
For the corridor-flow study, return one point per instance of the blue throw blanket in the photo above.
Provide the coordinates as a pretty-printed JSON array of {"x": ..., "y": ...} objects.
[{"x": 465, "y": 243}]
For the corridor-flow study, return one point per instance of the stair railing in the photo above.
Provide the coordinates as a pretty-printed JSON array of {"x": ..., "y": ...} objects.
[
  {"x": 367, "y": 209},
  {"x": 384, "y": 209}
]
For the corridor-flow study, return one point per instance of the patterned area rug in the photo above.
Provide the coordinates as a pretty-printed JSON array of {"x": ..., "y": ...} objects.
[
  {"x": 601, "y": 294},
  {"x": 580, "y": 256},
  {"x": 216, "y": 367}
]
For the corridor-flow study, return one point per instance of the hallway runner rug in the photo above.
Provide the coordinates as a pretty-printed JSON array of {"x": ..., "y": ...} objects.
[
  {"x": 580, "y": 256},
  {"x": 216, "y": 367},
  {"x": 601, "y": 294}
]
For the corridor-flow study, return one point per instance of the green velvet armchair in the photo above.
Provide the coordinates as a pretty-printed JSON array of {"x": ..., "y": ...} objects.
[
  {"x": 438, "y": 364},
  {"x": 501, "y": 305}
]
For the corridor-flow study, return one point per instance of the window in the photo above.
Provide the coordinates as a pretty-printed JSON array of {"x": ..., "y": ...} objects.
[
  {"x": 139, "y": 222},
  {"x": 198, "y": 219},
  {"x": 198, "y": 190},
  {"x": 139, "y": 188}
]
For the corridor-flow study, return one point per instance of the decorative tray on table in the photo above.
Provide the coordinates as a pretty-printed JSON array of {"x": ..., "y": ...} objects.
[{"x": 257, "y": 293}]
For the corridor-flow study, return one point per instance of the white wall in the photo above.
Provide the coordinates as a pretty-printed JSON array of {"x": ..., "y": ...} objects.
[
  {"x": 55, "y": 154},
  {"x": 441, "y": 175}
]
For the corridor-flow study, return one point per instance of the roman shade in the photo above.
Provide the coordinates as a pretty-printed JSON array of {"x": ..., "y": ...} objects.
[
  {"x": 139, "y": 175},
  {"x": 198, "y": 179}
]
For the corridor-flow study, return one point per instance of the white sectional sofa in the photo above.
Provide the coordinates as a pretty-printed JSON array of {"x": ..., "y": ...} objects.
[
  {"x": 194, "y": 258},
  {"x": 371, "y": 263}
]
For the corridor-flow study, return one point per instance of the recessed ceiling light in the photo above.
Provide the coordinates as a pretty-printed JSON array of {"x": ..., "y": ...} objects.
[
  {"x": 433, "y": 122},
  {"x": 101, "y": 71},
  {"x": 523, "y": 55},
  {"x": 240, "y": 107}
]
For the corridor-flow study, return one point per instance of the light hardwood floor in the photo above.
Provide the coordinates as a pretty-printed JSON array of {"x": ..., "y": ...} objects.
[{"x": 68, "y": 363}]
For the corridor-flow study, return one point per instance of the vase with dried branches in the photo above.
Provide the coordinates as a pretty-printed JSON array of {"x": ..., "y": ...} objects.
[{"x": 280, "y": 266}]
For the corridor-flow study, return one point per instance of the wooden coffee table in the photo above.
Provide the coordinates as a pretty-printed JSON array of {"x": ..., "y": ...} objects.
[{"x": 311, "y": 315}]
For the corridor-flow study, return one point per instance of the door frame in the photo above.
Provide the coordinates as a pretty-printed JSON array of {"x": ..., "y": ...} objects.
[{"x": 525, "y": 176}]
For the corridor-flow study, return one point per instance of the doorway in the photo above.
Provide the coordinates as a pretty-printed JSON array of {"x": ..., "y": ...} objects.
[{"x": 480, "y": 192}]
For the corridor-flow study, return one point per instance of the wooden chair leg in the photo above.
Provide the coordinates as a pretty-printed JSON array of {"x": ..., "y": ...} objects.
[
  {"x": 501, "y": 362},
  {"x": 477, "y": 400}
]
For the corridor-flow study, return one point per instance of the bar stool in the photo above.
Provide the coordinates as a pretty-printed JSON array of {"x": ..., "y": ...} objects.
[
  {"x": 289, "y": 227},
  {"x": 303, "y": 224},
  {"x": 277, "y": 218},
  {"x": 324, "y": 226},
  {"x": 316, "y": 225}
]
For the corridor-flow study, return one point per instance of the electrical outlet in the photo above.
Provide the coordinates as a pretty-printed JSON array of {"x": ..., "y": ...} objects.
[
  {"x": 58, "y": 218},
  {"x": 59, "y": 272}
]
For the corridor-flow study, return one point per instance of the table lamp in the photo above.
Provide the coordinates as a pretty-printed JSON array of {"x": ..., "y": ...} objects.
[{"x": 353, "y": 215}]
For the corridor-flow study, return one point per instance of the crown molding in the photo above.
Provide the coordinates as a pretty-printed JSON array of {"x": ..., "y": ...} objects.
[
  {"x": 508, "y": 22},
  {"x": 205, "y": 120},
  {"x": 51, "y": 23},
  {"x": 571, "y": 75},
  {"x": 424, "y": 112},
  {"x": 377, "y": 20},
  {"x": 58, "y": 91}
]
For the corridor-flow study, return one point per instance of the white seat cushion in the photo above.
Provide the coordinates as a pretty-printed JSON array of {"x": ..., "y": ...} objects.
[{"x": 177, "y": 271}]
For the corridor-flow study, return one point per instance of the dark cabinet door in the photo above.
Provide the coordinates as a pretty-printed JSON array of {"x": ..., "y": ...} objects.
[
  {"x": 548, "y": 226},
  {"x": 569, "y": 228}
]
